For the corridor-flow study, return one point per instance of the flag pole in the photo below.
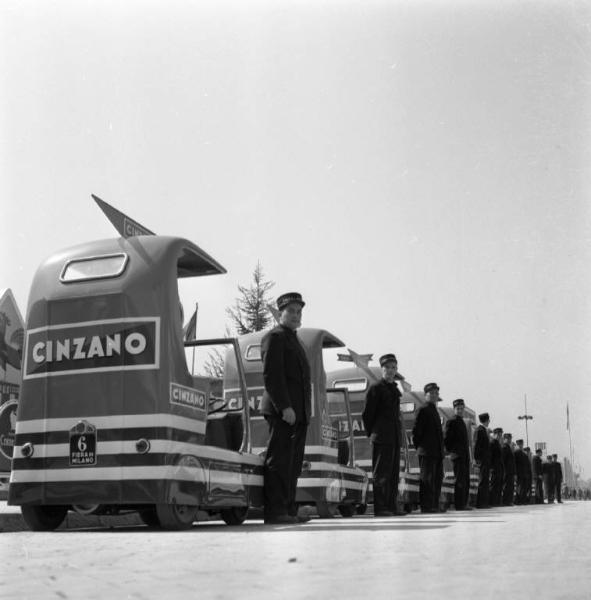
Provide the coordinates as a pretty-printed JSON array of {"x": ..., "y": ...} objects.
[
  {"x": 570, "y": 444},
  {"x": 193, "y": 363}
]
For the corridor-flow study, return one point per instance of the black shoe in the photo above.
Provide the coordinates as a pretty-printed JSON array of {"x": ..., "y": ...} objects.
[
  {"x": 281, "y": 520},
  {"x": 302, "y": 518}
]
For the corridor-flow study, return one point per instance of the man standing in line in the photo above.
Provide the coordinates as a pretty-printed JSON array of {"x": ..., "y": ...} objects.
[
  {"x": 548, "y": 471},
  {"x": 538, "y": 476},
  {"x": 456, "y": 443},
  {"x": 497, "y": 473},
  {"x": 557, "y": 479},
  {"x": 427, "y": 436},
  {"x": 286, "y": 406},
  {"x": 529, "y": 479},
  {"x": 508, "y": 469},
  {"x": 521, "y": 461},
  {"x": 482, "y": 458},
  {"x": 381, "y": 419}
]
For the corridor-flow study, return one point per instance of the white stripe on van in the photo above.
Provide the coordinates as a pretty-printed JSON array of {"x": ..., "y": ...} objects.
[{"x": 112, "y": 422}]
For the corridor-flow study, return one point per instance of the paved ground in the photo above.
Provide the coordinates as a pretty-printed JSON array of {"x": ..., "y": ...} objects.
[{"x": 531, "y": 552}]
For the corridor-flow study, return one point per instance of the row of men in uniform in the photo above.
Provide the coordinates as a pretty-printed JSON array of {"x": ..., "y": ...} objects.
[
  {"x": 509, "y": 474},
  {"x": 506, "y": 474}
]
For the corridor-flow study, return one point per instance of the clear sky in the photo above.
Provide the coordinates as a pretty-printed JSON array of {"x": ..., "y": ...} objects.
[{"x": 419, "y": 171}]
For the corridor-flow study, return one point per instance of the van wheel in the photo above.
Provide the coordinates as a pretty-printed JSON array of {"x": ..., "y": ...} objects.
[
  {"x": 347, "y": 510},
  {"x": 361, "y": 509},
  {"x": 43, "y": 518},
  {"x": 176, "y": 516},
  {"x": 235, "y": 515},
  {"x": 326, "y": 510},
  {"x": 149, "y": 516}
]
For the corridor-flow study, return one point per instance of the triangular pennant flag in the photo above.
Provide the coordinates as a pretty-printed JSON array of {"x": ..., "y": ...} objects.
[
  {"x": 125, "y": 225},
  {"x": 276, "y": 314},
  {"x": 190, "y": 329},
  {"x": 362, "y": 361}
]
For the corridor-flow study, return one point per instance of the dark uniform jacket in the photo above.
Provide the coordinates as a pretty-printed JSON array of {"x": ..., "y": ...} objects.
[
  {"x": 548, "y": 471},
  {"x": 427, "y": 434},
  {"x": 496, "y": 456},
  {"x": 286, "y": 373},
  {"x": 482, "y": 445},
  {"x": 381, "y": 414},
  {"x": 521, "y": 463},
  {"x": 508, "y": 460},
  {"x": 557, "y": 472},
  {"x": 456, "y": 438},
  {"x": 537, "y": 465}
]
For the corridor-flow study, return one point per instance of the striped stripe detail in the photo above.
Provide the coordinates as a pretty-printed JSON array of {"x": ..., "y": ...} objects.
[
  {"x": 324, "y": 482},
  {"x": 309, "y": 451},
  {"x": 156, "y": 447},
  {"x": 113, "y": 422},
  {"x": 183, "y": 473}
]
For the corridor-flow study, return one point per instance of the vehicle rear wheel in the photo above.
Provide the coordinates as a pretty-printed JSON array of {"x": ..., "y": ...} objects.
[
  {"x": 149, "y": 516},
  {"x": 176, "y": 516},
  {"x": 361, "y": 509},
  {"x": 347, "y": 510},
  {"x": 326, "y": 510},
  {"x": 235, "y": 515},
  {"x": 43, "y": 518}
]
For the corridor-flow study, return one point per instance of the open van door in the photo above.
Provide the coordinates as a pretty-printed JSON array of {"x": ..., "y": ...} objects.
[{"x": 11, "y": 349}]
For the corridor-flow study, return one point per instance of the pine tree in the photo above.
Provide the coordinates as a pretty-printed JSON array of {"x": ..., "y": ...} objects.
[{"x": 251, "y": 312}]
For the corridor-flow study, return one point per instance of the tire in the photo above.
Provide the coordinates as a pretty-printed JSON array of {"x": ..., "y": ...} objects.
[
  {"x": 407, "y": 508},
  {"x": 347, "y": 510},
  {"x": 361, "y": 509},
  {"x": 43, "y": 518},
  {"x": 176, "y": 517},
  {"x": 326, "y": 510},
  {"x": 235, "y": 515},
  {"x": 149, "y": 516}
]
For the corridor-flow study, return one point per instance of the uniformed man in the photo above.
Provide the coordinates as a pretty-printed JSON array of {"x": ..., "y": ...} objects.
[
  {"x": 482, "y": 458},
  {"x": 456, "y": 443},
  {"x": 521, "y": 469},
  {"x": 286, "y": 406},
  {"x": 381, "y": 419},
  {"x": 508, "y": 470},
  {"x": 497, "y": 473},
  {"x": 557, "y": 478},
  {"x": 427, "y": 436},
  {"x": 538, "y": 477},
  {"x": 548, "y": 472},
  {"x": 528, "y": 489}
]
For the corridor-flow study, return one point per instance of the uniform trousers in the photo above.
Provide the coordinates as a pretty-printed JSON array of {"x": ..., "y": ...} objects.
[
  {"x": 508, "y": 489},
  {"x": 482, "y": 498},
  {"x": 283, "y": 465},
  {"x": 496, "y": 486},
  {"x": 539, "y": 490},
  {"x": 558, "y": 491},
  {"x": 431, "y": 479},
  {"x": 549, "y": 486},
  {"x": 386, "y": 472},
  {"x": 462, "y": 484},
  {"x": 528, "y": 484},
  {"x": 521, "y": 492}
]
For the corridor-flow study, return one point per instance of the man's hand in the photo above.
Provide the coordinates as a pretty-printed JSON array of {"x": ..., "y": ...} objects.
[{"x": 288, "y": 415}]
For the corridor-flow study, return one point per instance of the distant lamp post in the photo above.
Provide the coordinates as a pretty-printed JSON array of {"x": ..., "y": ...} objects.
[{"x": 525, "y": 418}]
